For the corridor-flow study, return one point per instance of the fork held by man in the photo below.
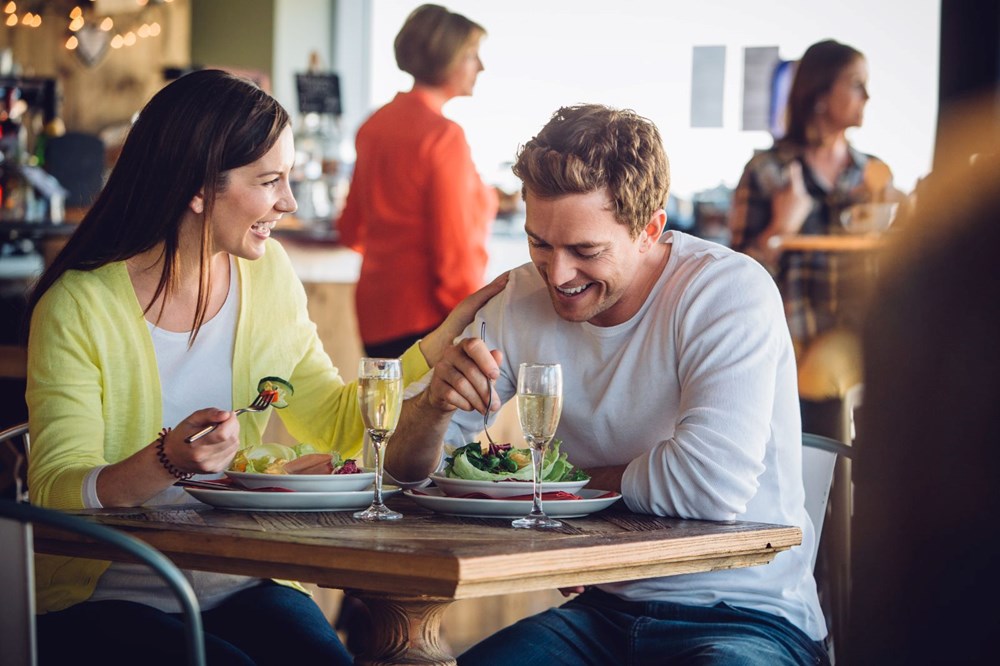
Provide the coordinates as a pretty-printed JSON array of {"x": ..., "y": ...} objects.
[{"x": 489, "y": 403}]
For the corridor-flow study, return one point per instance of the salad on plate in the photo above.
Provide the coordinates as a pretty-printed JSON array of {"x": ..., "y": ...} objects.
[
  {"x": 502, "y": 462},
  {"x": 499, "y": 471},
  {"x": 298, "y": 468},
  {"x": 300, "y": 459}
]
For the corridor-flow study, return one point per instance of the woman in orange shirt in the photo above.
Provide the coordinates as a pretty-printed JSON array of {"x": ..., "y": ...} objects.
[{"x": 417, "y": 210}]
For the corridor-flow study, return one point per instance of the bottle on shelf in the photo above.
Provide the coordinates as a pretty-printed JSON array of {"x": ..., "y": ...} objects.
[
  {"x": 317, "y": 179},
  {"x": 16, "y": 195}
]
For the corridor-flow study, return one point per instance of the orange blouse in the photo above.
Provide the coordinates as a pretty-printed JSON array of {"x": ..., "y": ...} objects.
[{"x": 419, "y": 214}]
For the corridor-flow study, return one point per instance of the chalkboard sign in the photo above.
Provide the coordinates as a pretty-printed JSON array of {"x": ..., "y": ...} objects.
[{"x": 318, "y": 93}]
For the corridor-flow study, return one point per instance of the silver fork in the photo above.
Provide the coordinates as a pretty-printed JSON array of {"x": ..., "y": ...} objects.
[
  {"x": 262, "y": 402},
  {"x": 489, "y": 402}
]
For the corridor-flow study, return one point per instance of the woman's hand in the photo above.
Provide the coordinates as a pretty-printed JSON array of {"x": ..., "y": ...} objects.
[
  {"x": 211, "y": 453},
  {"x": 138, "y": 478},
  {"x": 790, "y": 205},
  {"x": 441, "y": 338}
]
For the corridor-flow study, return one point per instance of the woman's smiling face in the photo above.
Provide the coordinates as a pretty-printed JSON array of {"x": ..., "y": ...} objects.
[{"x": 254, "y": 198}]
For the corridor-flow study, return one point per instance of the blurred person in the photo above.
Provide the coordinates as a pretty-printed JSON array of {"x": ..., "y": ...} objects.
[
  {"x": 165, "y": 308},
  {"x": 805, "y": 184},
  {"x": 417, "y": 210},
  {"x": 925, "y": 491},
  {"x": 679, "y": 392}
]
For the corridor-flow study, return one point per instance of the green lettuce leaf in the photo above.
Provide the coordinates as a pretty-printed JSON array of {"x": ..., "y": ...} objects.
[{"x": 468, "y": 462}]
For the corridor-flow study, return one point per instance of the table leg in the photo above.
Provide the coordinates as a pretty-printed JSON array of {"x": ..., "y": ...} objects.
[{"x": 405, "y": 630}]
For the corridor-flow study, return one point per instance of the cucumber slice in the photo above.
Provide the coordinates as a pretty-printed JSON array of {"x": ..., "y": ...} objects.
[{"x": 279, "y": 386}]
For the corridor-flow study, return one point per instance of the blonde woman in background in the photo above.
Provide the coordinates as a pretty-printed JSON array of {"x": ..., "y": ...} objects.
[{"x": 417, "y": 210}]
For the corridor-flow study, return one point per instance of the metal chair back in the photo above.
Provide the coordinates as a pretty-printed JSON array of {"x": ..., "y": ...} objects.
[
  {"x": 17, "y": 574},
  {"x": 819, "y": 459}
]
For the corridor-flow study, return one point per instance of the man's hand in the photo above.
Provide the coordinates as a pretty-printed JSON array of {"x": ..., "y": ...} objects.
[{"x": 463, "y": 378}]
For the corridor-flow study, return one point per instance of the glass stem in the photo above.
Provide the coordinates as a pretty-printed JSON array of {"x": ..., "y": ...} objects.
[
  {"x": 377, "y": 447},
  {"x": 537, "y": 457}
]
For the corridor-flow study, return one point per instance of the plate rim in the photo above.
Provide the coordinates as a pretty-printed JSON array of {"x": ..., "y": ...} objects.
[
  {"x": 363, "y": 496},
  {"x": 497, "y": 488},
  {"x": 303, "y": 479},
  {"x": 451, "y": 479},
  {"x": 587, "y": 501}
]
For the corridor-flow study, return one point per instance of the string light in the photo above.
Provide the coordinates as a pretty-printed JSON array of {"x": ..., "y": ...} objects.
[{"x": 77, "y": 20}]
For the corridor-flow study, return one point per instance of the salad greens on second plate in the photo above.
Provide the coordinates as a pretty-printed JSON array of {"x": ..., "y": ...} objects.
[{"x": 501, "y": 462}]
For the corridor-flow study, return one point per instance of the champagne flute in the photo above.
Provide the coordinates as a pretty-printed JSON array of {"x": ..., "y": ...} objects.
[
  {"x": 380, "y": 398},
  {"x": 539, "y": 405}
]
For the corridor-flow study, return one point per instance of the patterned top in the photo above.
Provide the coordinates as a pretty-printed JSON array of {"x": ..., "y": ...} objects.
[{"x": 820, "y": 290}]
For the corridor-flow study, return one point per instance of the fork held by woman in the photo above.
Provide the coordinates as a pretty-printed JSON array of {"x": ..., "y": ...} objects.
[{"x": 263, "y": 400}]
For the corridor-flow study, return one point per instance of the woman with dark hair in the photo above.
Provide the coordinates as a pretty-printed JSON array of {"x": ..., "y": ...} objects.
[
  {"x": 166, "y": 308},
  {"x": 805, "y": 184},
  {"x": 417, "y": 209}
]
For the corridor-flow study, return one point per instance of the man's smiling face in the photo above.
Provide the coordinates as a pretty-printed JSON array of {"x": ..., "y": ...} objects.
[{"x": 593, "y": 270}]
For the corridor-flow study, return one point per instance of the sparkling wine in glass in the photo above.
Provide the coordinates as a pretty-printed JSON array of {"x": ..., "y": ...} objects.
[
  {"x": 539, "y": 405},
  {"x": 380, "y": 397}
]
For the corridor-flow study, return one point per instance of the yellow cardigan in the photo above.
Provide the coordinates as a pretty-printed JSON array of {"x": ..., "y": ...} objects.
[{"x": 94, "y": 397}]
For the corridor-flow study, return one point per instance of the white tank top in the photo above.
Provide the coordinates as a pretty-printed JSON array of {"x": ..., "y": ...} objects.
[{"x": 190, "y": 379}]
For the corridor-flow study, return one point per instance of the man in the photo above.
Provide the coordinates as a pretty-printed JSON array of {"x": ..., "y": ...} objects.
[{"x": 679, "y": 391}]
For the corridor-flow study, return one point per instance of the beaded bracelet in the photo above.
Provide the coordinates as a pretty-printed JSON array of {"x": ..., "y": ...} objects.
[{"x": 162, "y": 455}]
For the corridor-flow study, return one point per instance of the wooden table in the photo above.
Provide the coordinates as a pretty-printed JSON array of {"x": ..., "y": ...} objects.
[{"x": 408, "y": 572}]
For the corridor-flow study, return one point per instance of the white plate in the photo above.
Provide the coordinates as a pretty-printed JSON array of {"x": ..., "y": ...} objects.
[
  {"x": 320, "y": 483},
  {"x": 248, "y": 500},
  {"x": 435, "y": 500},
  {"x": 501, "y": 489}
]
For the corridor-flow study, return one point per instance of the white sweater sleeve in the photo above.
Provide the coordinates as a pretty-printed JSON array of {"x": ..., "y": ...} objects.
[{"x": 730, "y": 333}]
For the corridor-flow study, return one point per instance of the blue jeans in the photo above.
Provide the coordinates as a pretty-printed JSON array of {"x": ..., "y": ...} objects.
[
  {"x": 266, "y": 624},
  {"x": 599, "y": 628}
]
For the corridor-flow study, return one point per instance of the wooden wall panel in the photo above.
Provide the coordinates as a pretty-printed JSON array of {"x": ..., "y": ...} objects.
[{"x": 109, "y": 93}]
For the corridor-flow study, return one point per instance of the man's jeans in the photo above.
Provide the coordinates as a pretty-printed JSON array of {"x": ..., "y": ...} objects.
[{"x": 601, "y": 629}]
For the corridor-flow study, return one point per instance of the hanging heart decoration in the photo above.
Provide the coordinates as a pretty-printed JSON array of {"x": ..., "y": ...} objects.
[{"x": 92, "y": 44}]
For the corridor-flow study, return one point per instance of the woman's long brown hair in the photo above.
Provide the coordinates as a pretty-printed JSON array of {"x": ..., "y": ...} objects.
[{"x": 185, "y": 140}]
